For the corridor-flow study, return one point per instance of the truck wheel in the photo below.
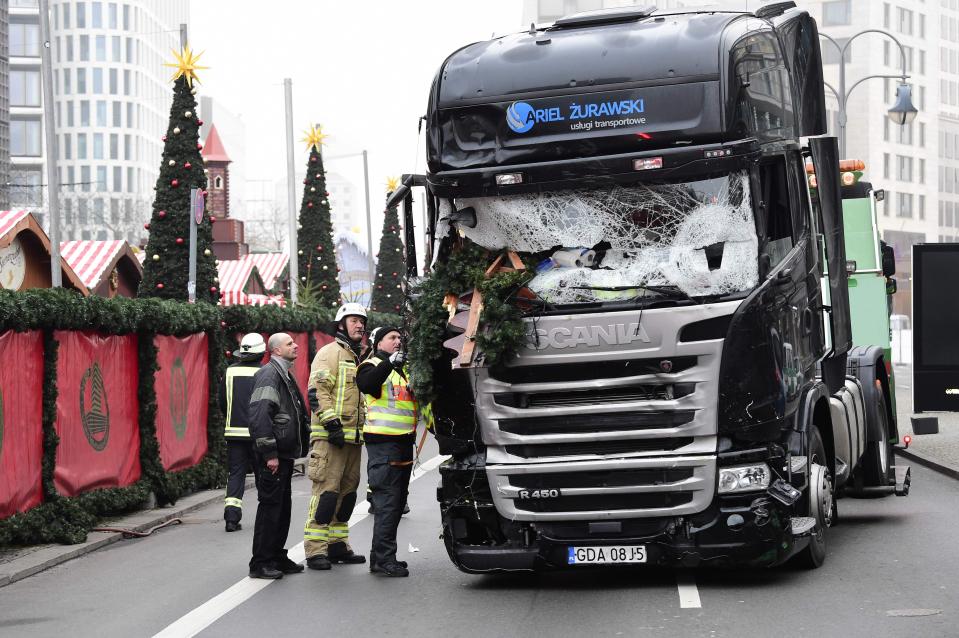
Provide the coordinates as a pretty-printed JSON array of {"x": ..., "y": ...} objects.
[
  {"x": 878, "y": 455},
  {"x": 822, "y": 502}
]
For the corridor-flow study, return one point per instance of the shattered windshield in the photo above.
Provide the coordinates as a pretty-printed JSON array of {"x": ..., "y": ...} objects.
[{"x": 598, "y": 245}]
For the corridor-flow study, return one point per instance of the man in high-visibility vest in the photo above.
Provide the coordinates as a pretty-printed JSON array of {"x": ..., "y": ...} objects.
[
  {"x": 336, "y": 443},
  {"x": 234, "y": 402},
  {"x": 390, "y": 436}
]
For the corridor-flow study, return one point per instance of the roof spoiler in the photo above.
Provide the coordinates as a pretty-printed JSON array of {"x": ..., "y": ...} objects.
[{"x": 604, "y": 16}]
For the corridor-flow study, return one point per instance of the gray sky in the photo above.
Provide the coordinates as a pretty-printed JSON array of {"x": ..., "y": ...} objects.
[{"x": 362, "y": 69}]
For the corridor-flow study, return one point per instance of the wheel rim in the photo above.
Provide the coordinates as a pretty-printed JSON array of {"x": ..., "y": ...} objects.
[{"x": 822, "y": 497}]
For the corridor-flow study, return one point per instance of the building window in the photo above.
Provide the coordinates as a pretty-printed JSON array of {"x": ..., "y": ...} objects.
[
  {"x": 922, "y": 171},
  {"x": 904, "y": 205},
  {"x": 81, "y": 81},
  {"x": 218, "y": 182},
  {"x": 24, "y": 88},
  {"x": 904, "y": 173},
  {"x": 98, "y": 81},
  {"x": 885, "y": 15},
  {"x": 113, "y": 15},
  {"x": 24, "y": 40},
  {"x": 117, "y": 179},
  {"x": 67, "y": 146},
  {"x": 26, "y": 187},
  {"x": 116, "y": 48},
  {"x": 81, "y": 146},
  {"x": 98, "y": 146},
  {"x": 101, "y": 183},
  {"x": 885, "y": 165},
  {"x": 922, "y": 207},
  {"x": 66, "y": 15},
  {"x": 101, "y": 42},
  {"x": 81, "y": 15},
  {"x": 70, "y": 113},
  {"x": 101, "y": 113},
  {"x": 126, "y": 18},
  {"x": 114, "y": 146},
  {"x": 904, "y": 20},
  {"x": 837, "y": 13},
  {"x": 84, "y": 113},
  {"x": 68, "y": 45},
  {"x": 84, "y": 48},
  {"x": 67, "y": 74},
  {"x": 25, "y": 138},
  {"x": 97, "y": 15}
]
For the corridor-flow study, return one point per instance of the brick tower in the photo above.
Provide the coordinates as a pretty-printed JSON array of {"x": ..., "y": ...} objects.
[{"x": 228, "y": 239}]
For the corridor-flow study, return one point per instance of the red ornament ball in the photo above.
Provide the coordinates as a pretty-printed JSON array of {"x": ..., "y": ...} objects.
[
  {"x": 313, "y": 158},
  {"x": 161, "y": 214},
  {"x": 163, "y": 138},
  {"x": 379, "y": 287},
  {"x": 394, "y": 274},
  {"x": 179, "y": 240},
  {"x": 188, "y": 165},
  {"x": 223, "y": 324},
  {"x": 327, "y": 193},
  {"x": 199, "y": 122},
  {"x": 304, "y": 180},
  {"x": 199, "y": 146},
  {"x": 159, "y": 286},
  {"x": 174, "y": 182},
  {"x": 212, "y": 219},
  {"x": 323, "y": 286},
  {"x": 212, "y": 288},
  {"x": 146, "y": 226},
  {"x": 309, "y": 204}
]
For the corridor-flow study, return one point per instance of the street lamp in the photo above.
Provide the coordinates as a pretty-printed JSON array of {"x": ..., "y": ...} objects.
[
  {"x": 369, "y": 223},
  {"x": 902, "y": 112}
]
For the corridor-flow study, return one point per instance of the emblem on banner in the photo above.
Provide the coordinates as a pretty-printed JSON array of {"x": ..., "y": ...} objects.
[
  {"x": 178, "y": 398},
  {"x": 96, "y": 419}
]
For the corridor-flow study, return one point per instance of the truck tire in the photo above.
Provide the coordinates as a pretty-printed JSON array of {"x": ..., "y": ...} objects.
[
  {"x": 821, "y": 500},
  {"x": 877, "y": 459}
]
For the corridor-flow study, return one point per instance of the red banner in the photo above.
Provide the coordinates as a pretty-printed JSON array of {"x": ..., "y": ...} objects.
[
  {"x": 97, "y": 412},
  {"x": 21, "y": 424},
  {"x": 182, "y": 386}
]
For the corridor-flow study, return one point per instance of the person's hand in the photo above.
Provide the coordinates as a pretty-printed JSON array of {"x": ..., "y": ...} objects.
[
  {"x": 335, "y": 432},
  {"x": 273, "y": 465},
  {"x": 398, "y": 359}
]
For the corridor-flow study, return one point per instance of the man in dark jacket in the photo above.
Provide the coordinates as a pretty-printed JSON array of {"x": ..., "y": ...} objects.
[
  {"x": 279, "y": 424},
  {"x": 234, "y": 400}
]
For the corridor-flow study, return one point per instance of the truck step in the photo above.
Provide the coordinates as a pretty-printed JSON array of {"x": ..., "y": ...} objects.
[
  {"x": 802, "y": 525},
  {"x": 903, "y": 479}
]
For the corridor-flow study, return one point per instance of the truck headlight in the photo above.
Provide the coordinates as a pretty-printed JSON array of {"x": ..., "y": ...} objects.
[{"x": 744, "y": 478}]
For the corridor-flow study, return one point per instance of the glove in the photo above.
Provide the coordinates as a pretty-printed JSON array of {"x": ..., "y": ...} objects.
[
  {"x": 398, "y": 360},
  {"x": 335, "y": 430}
]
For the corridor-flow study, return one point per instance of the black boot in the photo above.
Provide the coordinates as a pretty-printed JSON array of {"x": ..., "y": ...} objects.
[
  {"x": 393, "y": 569},
  {"x": 233, "y": 526},
  {"x": 340, "y": 554},
  {"x": 319, "y": 562},
  {"x": 266, "y": 572}
]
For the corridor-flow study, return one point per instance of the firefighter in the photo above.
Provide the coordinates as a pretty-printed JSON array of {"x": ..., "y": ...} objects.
[
  {"x": 234, "y": 400},
  {"x": 336, "y": 428},
  {"x": 390, "y": 437}
]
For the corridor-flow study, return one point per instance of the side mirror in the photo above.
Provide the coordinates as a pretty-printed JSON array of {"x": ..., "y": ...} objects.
[
  {"x": 891, "y": 286},
  {"x": 888, "y": 259}
]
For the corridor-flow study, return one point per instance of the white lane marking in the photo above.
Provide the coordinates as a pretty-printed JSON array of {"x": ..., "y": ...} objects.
[
  {"x": 212, "y": 610},
  {"x": 688, "y": 592}
]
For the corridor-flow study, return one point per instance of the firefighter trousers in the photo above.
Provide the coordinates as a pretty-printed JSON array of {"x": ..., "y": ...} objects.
[
  {"x": 335, "y": 475},
  {"x": 239, "y": 457}
]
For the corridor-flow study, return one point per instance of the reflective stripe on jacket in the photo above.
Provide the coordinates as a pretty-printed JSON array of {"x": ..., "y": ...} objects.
[
  {"x": 333, "y": 374},
  {"x": 238, "y": 385},
  {"x": 395, "y": 411}
]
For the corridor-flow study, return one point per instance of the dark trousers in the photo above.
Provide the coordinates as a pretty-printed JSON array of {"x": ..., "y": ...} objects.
[
  {"x": 388, "y": 471},
  {"x": 275, "y": 497},
  {"x": 239, "y": 456}
]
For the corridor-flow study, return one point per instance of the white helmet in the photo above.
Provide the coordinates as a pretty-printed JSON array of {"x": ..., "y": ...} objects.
[
  {"x": 251, "y": 344},
  {"x": 348, "y": 309}
]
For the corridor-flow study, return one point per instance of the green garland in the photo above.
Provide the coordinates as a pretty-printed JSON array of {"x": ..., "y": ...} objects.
[{"x": 502, "y": 331}]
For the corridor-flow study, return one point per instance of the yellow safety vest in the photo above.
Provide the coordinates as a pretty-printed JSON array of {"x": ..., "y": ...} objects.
[
  {"x": 239, "y": 430},
  {"x": 394, "y": 413}
]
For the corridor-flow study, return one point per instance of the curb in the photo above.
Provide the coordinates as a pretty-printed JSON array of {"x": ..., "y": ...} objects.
[
  {"x": 927, "y": 462},
  {"x": 53, "y": 555}
]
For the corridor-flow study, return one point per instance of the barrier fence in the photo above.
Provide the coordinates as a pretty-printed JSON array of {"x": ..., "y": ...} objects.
[{"x": 105, "y": 401}]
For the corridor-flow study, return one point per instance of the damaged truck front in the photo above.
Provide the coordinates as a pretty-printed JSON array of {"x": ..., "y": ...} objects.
[{"x": 687, "y": 390}]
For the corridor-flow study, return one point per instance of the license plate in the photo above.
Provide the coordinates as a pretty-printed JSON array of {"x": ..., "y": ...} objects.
[{"x": 607, "y": 555}]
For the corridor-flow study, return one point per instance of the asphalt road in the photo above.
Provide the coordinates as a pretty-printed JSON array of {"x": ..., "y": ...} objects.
[{"x": 892, "y": 570}]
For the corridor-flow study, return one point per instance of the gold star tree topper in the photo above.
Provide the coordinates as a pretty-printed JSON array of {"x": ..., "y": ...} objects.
[
  {"x": 314, "y": 137},
  {"x": 186, "y": 65},
  {"x": 392, "y": 183}
]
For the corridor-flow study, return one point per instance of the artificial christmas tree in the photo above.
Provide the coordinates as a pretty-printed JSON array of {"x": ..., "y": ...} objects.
[
  {"x": 314, "y": 237},
  {"x": 390, "y": 268},
  {"x": 165, "y": 271}
]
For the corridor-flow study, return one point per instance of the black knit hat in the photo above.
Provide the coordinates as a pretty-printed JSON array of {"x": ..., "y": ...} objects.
[{"x": 378, "y": 333}]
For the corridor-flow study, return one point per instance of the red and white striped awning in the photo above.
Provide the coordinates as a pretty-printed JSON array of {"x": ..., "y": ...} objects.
[
  {"x": 269, "y": 265},
  {"x": 10, "y": 218},
  {"x": 91, "y": 259},
  {"x": 240, "y": 298},
  {"x": 234, "y": 274}
]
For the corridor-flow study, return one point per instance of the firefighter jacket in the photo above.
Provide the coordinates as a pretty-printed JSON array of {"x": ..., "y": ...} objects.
[
  {"x": 392, "y": 411},
  {"x": 278, "y": 421},
  {"x": 234, "y": 398},
  {"x": 333, "y": 376}
]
